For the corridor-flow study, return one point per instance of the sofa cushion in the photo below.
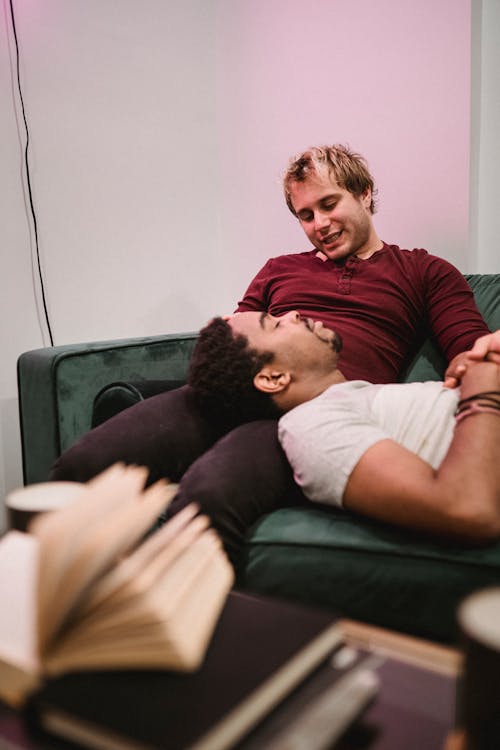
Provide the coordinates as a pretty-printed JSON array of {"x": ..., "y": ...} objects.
[{"x": 366, "y": 570}]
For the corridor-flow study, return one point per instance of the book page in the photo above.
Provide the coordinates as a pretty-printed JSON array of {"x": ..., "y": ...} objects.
[
  {"x": 157, "y": 608},
  {"x": 18, "y": 658},
  {"x": 79, "y": 543},
  {"x": 160, "y": 549},
  {"x": 60, "y": 534},
  {"x": 18, "y": 555},
  {"x": 148, "y": 633}
]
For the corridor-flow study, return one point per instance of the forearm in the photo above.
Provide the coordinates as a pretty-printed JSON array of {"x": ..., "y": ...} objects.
[
  {"x": 460, "y": 499},
  {"x": 469, "y": 476},
  {"x": 480, "y": 377},
  {"x": 453, "y": 315}
]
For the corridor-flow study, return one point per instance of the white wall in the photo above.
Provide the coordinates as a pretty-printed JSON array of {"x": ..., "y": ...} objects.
[
  {"x": 485, "y": 215},
  {"x": 158, "y": 134},
  {"x": 120, "y": 104},
  {"x": 19, "y": 329},
  {"x": 121, "y": 109}
]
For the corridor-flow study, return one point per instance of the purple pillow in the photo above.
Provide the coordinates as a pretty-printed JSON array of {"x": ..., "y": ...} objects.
[
  {"x": 165, "y": 432},
  {"x": 244, "y": 475}
]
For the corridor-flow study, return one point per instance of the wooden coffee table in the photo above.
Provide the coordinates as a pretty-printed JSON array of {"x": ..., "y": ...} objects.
[
  {"x": 420, "y": 653},
  {"x": 415, "y": 708}
]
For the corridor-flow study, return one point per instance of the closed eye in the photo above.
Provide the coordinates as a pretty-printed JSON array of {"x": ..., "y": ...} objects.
[{"x": 266, "y": 322}]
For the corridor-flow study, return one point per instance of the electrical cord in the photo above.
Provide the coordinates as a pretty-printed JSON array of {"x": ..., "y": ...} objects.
[{"x": 28, "y": 178}]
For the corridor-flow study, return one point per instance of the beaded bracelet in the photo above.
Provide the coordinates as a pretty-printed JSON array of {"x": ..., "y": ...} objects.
[
  {"x": 487, "y": 402},
  {"x": 492, "y": 396},
  {"x": 473, "y": 408}
]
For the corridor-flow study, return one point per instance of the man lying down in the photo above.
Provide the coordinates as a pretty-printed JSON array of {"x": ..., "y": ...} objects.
[{"x": 419, "y": 455}]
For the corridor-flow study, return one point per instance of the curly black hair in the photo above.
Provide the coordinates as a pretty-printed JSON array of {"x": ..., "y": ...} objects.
[{"x": 221, "y": 373}]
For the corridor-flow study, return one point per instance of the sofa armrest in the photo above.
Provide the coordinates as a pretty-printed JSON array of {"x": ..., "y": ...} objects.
[{"x": 57, "y": 387}]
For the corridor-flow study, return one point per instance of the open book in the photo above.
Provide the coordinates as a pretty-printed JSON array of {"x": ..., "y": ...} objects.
[{"x": 87, "y": 589}]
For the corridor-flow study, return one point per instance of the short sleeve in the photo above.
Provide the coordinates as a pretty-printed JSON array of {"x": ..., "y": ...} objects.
[{"x": 323, "y": 441}]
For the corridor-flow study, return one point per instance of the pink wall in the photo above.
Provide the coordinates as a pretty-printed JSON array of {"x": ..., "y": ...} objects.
[{"x": 390, "y": 78}]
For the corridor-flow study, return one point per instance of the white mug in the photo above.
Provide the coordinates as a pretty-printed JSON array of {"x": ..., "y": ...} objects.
[{"x": 25, "y": 503}]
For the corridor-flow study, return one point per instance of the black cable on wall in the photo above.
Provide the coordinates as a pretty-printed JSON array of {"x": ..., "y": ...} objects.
[{"x": 28, "y": 177}]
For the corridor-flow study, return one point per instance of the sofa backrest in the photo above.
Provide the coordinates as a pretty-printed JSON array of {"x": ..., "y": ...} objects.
[{"x": 57, "y": 386}]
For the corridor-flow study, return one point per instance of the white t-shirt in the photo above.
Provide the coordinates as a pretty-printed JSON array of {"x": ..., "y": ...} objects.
[{"x": 324, "y": 438}]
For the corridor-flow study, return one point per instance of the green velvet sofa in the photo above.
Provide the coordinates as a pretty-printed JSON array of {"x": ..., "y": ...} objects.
[{"x": 361, "y": 569}]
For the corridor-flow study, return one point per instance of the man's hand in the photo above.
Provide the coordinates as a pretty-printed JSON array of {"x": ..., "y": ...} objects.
[{"x": 485, "y": 348}]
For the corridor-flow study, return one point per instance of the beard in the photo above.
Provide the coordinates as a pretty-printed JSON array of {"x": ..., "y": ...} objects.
[{"x": 337, "y": 343}]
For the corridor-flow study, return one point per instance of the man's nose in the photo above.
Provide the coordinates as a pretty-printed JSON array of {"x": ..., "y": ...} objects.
[
  {"x": 292, "y": 317},
  {"x": 321, "y": 220}
]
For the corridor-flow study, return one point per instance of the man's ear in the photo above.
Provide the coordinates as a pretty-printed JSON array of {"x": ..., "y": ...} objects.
[
  {"x": 366, "y": 196},
  {"x": 271, "y": 381}
]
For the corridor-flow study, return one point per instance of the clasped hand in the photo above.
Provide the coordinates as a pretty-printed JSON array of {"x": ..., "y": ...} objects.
[{"x": 485, "y": 348}]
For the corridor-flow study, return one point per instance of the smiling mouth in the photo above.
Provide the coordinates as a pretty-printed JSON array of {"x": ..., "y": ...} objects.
[
  {"x": 332, "y": 238},
  {"x": 335, "y": 340},
  {"x": 313, "y": 325}
]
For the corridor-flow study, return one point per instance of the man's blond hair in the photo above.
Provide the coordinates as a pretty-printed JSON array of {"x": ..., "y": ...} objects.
[{"x": 349, "y": 170}]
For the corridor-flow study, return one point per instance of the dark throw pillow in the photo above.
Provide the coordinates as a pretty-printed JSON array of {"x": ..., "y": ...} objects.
[
  {"x": 165, "y": 433},
  {"x": 239, "y": 479}
]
